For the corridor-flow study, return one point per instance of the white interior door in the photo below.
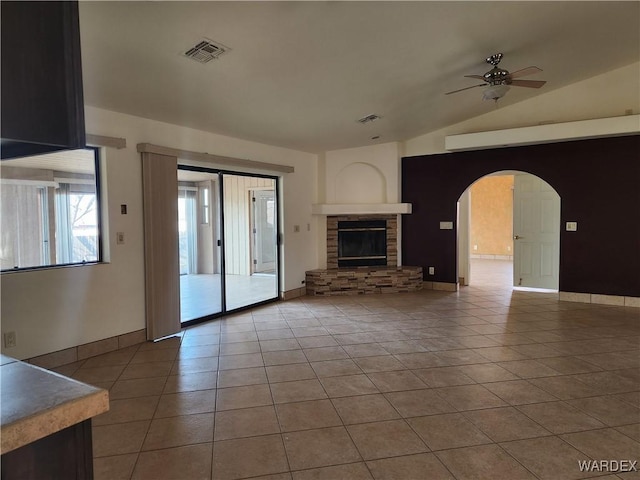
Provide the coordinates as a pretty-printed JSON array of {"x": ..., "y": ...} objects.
[
  {"x": 536, "y": 233},
  {"x": 264, "y": 231}
]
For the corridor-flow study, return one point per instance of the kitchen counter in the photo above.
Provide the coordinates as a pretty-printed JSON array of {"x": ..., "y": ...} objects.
[{"x": 37, "y": 406}]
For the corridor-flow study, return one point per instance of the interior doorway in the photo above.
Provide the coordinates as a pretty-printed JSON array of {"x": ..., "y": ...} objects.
[{"x": 509, "y": 232}]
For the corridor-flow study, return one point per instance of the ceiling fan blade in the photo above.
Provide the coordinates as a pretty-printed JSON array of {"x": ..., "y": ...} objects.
[
  {"x": 479, "y": 77},
  {"x": 528, "y": 83},
  {"x": 466, "y": 88},
  {"x": 525, "y": 71}
]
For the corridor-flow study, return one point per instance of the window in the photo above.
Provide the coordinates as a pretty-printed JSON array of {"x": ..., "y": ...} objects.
[{"x": 50, "y": 210}]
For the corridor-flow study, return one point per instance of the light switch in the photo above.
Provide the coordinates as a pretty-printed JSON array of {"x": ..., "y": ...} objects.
[
  {"x": 446, "y": 225},
  {"x": 572, "y": 226}
]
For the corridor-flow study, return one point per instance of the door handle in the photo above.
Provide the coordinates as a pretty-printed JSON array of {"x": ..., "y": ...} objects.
[{"x": 517, "y": 237}]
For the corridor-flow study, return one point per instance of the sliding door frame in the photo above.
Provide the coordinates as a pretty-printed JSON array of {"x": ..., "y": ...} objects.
[{"x": 220, "y": 201}]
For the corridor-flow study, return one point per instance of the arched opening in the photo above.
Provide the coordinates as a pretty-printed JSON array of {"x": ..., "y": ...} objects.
[{"x": 509, "y": 232}]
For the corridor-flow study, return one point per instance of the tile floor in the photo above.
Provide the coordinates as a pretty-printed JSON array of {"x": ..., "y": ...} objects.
[{"x": 485, "y": 383}]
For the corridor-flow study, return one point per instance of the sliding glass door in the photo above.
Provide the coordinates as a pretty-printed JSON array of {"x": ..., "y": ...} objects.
[
  {"x": 228, "y": 228},
  {"x": 250, "y": 226}
]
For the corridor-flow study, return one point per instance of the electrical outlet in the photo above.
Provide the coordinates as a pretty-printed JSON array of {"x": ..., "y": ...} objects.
[
  {"x": 10, "y": 340},
  {"x": 120, "y": 238},
  {"x": 432, "y": 270},
  {"x": 296, "y": 229}
]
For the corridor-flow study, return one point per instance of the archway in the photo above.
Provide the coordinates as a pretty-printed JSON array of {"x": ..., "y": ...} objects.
[{"x": 509, "y": 232}]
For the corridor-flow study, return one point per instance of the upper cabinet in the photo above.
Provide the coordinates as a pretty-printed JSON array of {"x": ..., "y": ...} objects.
[{"x": 42, "y": 102}]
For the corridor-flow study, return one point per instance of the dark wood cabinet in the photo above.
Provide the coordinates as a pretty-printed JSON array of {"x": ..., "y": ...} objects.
[{"x": 42, "y": 101}]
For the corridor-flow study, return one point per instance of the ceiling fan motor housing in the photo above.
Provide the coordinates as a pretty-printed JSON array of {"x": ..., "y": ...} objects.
[{"x": 497, "y": 76}]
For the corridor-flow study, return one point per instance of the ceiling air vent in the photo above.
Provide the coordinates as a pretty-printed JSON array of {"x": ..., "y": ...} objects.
[
  {"x": 205, "y": 51},
  {"x": 369, "y": 118}
]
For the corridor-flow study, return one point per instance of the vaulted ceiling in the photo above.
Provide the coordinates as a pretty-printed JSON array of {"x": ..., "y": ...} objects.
[{"x": 299, "y": 74}]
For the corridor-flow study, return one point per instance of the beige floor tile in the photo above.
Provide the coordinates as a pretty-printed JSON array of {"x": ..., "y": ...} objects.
[
  {"x": 320, "y": 448},
  {"x": 569, "y": 365},
  {"x": 483, "y": 462},
  {"x": 443, "y": 376},
  {"x": 365, "y": 350},
  {"x": 128, "y": 410},
  {"x": 192, "y": 462},
  {"x": 275, "y": 476},
  {"x": 118, "y": 439},
  {"x": 249, "y": 457},
  {"x": 200, "y": 351},
  {"x": 190, "y": 340},
  {"x": 364, "y": 409},
  {"x": 244, "y": 360},
  {"x": 239, "y": 348},
  {"x": 505, "y": 424},
  {"x": 402, "y": 346},
  {"x": 243, "y": 397},
  {"x": 91, "y": 375},
  {"x": 549, "y": 458},
  {"x": 395, "y": 381},
  {"x": 461, "y": 357},
  {"x": 348, "y": 385},
  {"x": 246, "y": 422},
  {"x": 289, "y": 373},
  {"x": 141, "y": 387},
  {"x": 317, "y": 342},
  {"x": 237, "y": 337},
  {"x": 417, "y": 403},
  {"x": 118, "y": 467},
  {"x": 194, "y": 365},
  {"x": 604, "y": 444},
  {"x": 298, "y": 391},
  {"x": 275, "y": 334},
  {"x": 279, "y": 345},
  {"x": 146, "y": 370},
  {"x": 186, "y": 403},
  {"x": 560, "y": 417},
  {"x": 500, "y": 354},
  {"x": 170, "y": 343},
  {"x": 631, "y": 431},
  {"x": 470, "y": 397},
  {"x": 608, "y": 382},
  {"x": 487, "y": 372},
  {"x": 191, "y": 382},
  {"x": 118, "y": 357},
  {"x": 179, "y": 431},
  {"x": 565, "y": 387},
  {"x": 420, "y": 360},
  {"x": 241, "y": 377},
  {"x": 519, "y": 392},
  {"x": 351, "y": 471},
  {"x": 284, "y": 357},
  {"x": 608, "y": 410},
  {"x": 446, "y": 431},
  {"x": 334, "y": 368},
  {"x": 529, "y": 368},
  {"x": 382, "y": 363},
  {"x": 385, "y": 439},
  {"x": 409, "y": 467},
  {"x": 325, "y": 353},
  {"x": 156, "y": 355},
  {"x": 307, "y": 415}
]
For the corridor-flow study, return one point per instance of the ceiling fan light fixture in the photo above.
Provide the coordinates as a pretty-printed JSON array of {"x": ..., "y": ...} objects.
[{"x": 495, "y": 92}]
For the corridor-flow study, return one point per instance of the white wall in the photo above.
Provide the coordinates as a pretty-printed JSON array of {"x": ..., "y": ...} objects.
[
  {"x": 54, "y": 309},
  {"x": 607, "y": 95}
]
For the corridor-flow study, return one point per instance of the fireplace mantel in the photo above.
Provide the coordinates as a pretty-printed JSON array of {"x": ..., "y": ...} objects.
[{"x": 360, "y": 208}]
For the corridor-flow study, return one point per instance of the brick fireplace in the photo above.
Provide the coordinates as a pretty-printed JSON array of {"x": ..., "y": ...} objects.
[
  {"x": 391, "y": 234},
  {"x": 358, "y": 280}
]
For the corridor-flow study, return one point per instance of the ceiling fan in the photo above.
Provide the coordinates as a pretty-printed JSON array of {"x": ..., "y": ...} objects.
[{"x": 498, "y": 80}]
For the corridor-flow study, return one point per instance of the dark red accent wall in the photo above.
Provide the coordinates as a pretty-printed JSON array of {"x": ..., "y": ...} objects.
[{"x": 598, "y": 182}]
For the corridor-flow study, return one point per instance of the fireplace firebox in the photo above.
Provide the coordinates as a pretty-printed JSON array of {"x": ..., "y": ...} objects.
[{"x": 362, "y": 243}]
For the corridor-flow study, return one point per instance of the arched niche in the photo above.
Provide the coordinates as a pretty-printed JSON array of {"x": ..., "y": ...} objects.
[{"x": 360, "y": 183}]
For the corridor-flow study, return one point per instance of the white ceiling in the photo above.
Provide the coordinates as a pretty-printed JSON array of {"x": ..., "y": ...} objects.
[{"x": 299, "y": 74}]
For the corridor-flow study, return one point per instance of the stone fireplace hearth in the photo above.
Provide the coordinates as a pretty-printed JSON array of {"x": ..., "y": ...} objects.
[{"x": 358, "y": 280}]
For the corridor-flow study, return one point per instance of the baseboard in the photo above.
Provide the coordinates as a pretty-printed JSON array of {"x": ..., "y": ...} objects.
[
  {"x": 294, "y": 293},
  {"x": 617, "y": 300},
  {"x": 442, "y": 286},
  {"x": 87, "y": 350}
]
